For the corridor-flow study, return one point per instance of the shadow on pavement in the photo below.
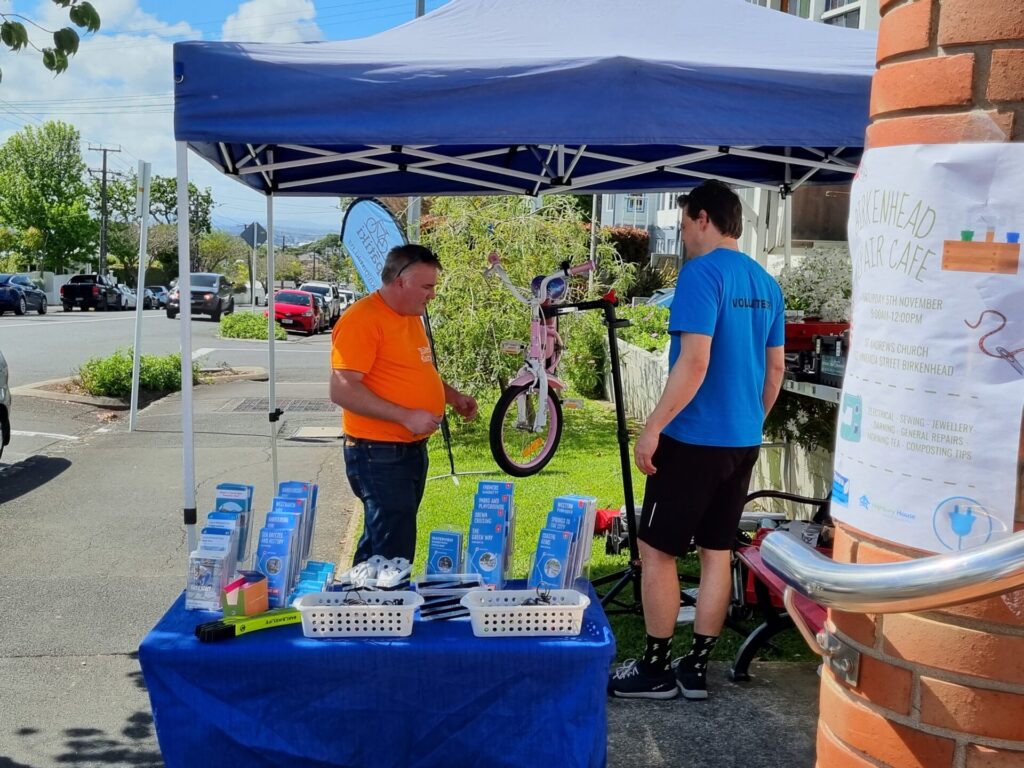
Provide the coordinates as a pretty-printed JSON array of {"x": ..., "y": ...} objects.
[
  {"x": 27, "y": 475},
  {"x": 135, "y": 745}
]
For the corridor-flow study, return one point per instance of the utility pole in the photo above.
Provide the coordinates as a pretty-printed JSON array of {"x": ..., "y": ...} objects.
[
  {"x": 103, "y": 206},
  {"x": 420, "y": 7}
]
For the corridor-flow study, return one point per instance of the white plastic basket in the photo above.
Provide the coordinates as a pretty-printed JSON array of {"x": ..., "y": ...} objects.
[
  {"x": 500, "y": 613},
  {"x": 326, "y": 614}
]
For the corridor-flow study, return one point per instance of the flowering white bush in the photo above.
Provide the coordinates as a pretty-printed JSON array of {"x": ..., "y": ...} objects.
[{"x": 820, "y": 284}]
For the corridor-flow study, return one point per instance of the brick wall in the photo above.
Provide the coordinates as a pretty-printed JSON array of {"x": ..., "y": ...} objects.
[
  {"x": 942, "y": 688},
  {"x": 936, "y": 689}
]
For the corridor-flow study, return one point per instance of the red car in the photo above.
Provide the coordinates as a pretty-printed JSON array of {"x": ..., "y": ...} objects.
[{"x": 297, "y": 311}]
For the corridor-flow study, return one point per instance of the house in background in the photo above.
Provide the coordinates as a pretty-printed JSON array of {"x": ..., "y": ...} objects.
[{"x": 819, "y": 212}]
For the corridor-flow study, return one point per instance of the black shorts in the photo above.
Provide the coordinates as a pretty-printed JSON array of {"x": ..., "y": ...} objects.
[{"x": 697, "y": 493}]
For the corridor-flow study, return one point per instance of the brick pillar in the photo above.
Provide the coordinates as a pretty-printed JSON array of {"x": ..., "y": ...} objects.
[{"x": 942, "y": 688}]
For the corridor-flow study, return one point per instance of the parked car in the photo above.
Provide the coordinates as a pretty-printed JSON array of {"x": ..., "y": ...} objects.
[
  {"x": 324, "y": 312},
  {"x": 85, "y": 291},
  {"x": 297, "y": 311},
  {"x": 18, "y": 294},
  {"x": 245, "y": 294},
  {"x": 211, "y": 295},
  {"x": 662, "y": 297},
  {"x": 5, "y": 405},
  {"x": 347, "y": 298},
  {"x": 330, "y": 294},
  {"x": 148, "y": 299},
  {"x": 160, "y": 294},
  {"x": 128, "y": 298}
]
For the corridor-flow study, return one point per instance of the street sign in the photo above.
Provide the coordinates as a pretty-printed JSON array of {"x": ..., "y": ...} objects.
[{"x": 260, "y": 234}]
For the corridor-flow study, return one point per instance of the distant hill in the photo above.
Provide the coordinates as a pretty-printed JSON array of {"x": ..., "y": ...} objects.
[{"x": 295, "y": 232}]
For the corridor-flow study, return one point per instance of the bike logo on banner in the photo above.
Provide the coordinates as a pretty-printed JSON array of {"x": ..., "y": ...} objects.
[{"x": 369, "y": 232}]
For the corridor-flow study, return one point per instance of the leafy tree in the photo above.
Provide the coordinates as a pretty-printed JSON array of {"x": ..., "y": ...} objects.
[
  {"x": 218, "y": 252},
  {"x": 123, "y": 233},
  {"x": 14, "y": 34},
  {"x": 44, "y": 196},
  {"x": 287, "y": 267},
  {"x": 471, "y": 315}
]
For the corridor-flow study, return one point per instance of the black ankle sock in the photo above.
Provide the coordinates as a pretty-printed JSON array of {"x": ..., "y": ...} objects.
[
  {"x": 657, "y": 655},
  {"x": 696, "y": 660}
]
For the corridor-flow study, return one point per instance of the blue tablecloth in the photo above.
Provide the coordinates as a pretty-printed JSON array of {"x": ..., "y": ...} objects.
[{"x": 442, "y": 697}]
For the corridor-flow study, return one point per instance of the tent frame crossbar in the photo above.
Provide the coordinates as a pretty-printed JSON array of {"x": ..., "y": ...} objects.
[{"x": 546, "y": 179}]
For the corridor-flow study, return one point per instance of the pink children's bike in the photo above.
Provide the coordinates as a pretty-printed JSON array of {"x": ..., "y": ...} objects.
[{"x": 527, "y": 421}]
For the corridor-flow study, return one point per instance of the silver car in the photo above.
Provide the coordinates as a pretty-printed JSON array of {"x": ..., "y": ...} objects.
[{"x": 5, "y": 406}]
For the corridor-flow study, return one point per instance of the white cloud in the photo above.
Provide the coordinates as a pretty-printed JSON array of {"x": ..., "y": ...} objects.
[
  {"x": 273, "y": 21},
  {"x": 118, "y": 91}
]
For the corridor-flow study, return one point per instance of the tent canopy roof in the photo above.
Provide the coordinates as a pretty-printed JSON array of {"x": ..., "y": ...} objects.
[{"x": 534, "y": 96}]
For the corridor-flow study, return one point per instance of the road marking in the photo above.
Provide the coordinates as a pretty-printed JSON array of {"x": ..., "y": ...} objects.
[
  {"x": 21, "y": 433},
  {"x": 49, "y": 323}
]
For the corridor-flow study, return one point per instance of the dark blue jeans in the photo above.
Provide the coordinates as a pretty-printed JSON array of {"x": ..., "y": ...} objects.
[{"x": 389, "y": 479}]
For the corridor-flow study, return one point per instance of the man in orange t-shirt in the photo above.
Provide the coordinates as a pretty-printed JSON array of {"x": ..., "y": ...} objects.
[{"x": 393, "y": 399}]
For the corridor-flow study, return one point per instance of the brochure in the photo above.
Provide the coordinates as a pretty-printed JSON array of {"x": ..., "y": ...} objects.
[
  {"x": 444, "y": 555},
  {"x": 551, "y": 561}
]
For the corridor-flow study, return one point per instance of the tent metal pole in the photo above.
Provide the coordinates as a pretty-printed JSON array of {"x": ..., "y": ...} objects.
[
  {"x": 185, "y": 314},
  {"x": 142, "y": 212},
  {"x": 273, "y": 413},
  {"x": 787, "y": 196}
]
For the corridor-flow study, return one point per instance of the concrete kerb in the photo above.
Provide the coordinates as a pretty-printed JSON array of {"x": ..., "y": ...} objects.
[{"x": 40, "y": 388}]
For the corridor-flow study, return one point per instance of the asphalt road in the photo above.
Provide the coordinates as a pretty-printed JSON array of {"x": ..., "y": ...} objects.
[{"x": 53, "y": 346}]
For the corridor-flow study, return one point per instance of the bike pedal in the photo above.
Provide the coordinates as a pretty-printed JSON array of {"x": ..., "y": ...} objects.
[
  {"x": 572, "y": 404},
  {"x": 512, "y": 347}
]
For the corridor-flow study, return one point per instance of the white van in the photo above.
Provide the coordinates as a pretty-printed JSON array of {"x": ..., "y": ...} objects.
[{"x": 245, "y": 296}]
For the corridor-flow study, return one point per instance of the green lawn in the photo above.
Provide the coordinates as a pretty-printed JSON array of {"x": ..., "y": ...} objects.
[{"x": 587, "y": 462}]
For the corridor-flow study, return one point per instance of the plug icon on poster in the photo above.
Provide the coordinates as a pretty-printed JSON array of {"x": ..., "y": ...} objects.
[{"x": 961, "y": 523}]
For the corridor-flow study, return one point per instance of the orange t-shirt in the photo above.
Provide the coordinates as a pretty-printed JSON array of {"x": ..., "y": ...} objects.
[{"x": 393, "y": 354}]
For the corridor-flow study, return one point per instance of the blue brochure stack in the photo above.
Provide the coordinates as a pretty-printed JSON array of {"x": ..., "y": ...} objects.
[
  {"x": 236, "y": 498},
  {"x": 285, "y": 539},
  {"x": 491, "y": 532}
]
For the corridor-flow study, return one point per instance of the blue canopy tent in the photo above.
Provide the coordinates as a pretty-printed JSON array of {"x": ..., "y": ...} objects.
[{"x": 526, "y": 97}]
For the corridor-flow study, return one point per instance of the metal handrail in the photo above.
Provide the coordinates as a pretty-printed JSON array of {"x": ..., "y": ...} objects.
[{"x": 927, "y": 583}]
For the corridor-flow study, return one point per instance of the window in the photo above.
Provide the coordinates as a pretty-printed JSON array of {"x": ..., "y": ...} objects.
[
  {"x": 801, "y": 8},
  {"x": 831, "y": 5},
  {"x": 635, "y": 203},
  {"x": 850, "y": 19}
]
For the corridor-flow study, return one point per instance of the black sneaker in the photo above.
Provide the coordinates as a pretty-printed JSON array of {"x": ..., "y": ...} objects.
[
  {"x": 693, "y": 684},
  {"x": 629, "y": 682}
]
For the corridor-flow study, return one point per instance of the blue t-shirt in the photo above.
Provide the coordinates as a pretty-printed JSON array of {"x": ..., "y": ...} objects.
[{"x": 728, "y": 296}]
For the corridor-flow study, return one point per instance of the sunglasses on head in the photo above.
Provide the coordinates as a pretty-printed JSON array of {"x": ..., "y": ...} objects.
[{"x": 415, "y": 260}]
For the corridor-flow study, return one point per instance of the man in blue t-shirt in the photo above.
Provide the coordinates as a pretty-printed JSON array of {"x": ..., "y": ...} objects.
[{"x": 701, "y": 441}]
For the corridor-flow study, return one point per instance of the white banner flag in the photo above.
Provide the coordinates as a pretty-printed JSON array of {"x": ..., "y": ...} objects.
[{"x": 930, "y": 422}]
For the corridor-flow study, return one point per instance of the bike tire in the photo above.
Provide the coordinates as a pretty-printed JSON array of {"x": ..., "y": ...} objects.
[{"x": 505, "y": 407}]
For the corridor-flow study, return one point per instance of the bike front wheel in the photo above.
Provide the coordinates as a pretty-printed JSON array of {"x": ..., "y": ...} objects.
[{"x": 516, "y": 446}]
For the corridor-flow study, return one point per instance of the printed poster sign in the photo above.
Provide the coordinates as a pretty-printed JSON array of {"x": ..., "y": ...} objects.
[
  {"x": 369, "y": 231},
  {"x": 930, "y": 421}
]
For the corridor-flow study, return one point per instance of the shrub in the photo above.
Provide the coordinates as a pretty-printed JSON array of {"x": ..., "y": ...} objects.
[
  {"x": 631, "y": 243},
  {"x": 804, "y": 421},
  {"x": 472, "y": 315},
  {"x": 648, "y": 328},
  {"x": 112, "y": 376},
  {"x": 248, "y": 325},
  {"x": 820, "y": 284},
  {"x": 584, "y": 362}
]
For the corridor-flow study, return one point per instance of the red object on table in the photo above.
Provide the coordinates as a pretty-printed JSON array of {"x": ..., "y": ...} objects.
[
  {"x": 800, "y": 336},
  {"x": 749, "y": 595}
]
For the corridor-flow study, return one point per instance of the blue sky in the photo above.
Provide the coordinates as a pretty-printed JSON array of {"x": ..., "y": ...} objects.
[{"x": 118, "y": 89}]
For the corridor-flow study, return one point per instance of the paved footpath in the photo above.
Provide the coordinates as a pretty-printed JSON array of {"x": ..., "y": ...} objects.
[{"x": 92, "y": 551}]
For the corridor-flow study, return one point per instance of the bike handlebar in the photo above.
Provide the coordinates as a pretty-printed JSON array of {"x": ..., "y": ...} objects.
[{"x": 582, "y": 269}]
